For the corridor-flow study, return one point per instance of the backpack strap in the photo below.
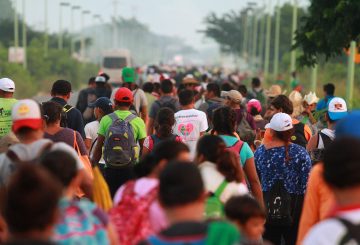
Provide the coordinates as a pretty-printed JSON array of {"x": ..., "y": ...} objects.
[
  {"x": 113, "y": 117},
  {"x": 353, "y": 231},
  {"x": 67, "y": 108},
  {"x": 326, "y": 139},
  {"x": 237, "y": 146},
  {"x": 129, "y": 118},
  {"x": 221, "y": 188}
]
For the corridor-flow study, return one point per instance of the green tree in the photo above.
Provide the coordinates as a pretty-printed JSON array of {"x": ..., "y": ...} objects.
[{"x": 328, "y": 29}]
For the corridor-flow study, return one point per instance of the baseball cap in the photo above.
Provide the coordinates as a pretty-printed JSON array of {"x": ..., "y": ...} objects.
[
  {"x": 124, "y": 95},
  {"x": 26, "y": 113},
  {"x": 337, "y": 108},
  {"x": 61, "y": 87},
  {"x": 100, "y": 79},
  {"x": 254, "y": 103},
  {"x": 280, "y": 122},
  {"x": 128, "y": 75},
  {"x": 7, "y": 85},
  {"x": 349, "y": 126},
  {"x": 103, "y": 103},
  {"x": 233, "y": 95}
]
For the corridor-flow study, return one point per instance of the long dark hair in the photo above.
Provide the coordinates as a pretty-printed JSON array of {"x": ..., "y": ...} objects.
[
  {"x": 285, "y": 136},
  {"x": 164, "y": 122},
  {"x": 214, "y": 150},
  {"x": 224, "y": 120}
]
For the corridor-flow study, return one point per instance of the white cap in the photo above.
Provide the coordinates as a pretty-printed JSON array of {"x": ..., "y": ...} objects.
[
  {"x": 337, "y": 108},
  {"x": 26, "y": 113},
  {"x": 280, "y": 122},
  {"x": 100, "y": 79},
  {"x": 7, "y": 85}
]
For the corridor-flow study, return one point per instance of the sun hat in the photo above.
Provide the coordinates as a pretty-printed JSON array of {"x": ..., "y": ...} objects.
[
  {"x": 189, "y": 79},
  {"x": 311, "y": 98},
  {"x": 280, "y": 122},
  {"x": 337, "y": 108},
  {"x": 7, "y": 85},
  {"x": 124, "y": 95},
  {"x": 274, "y": 91},
  {"x": 26, "y": 113}
]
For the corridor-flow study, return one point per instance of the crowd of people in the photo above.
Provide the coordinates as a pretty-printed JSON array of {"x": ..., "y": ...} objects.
[{"x": 186, "y": 157}]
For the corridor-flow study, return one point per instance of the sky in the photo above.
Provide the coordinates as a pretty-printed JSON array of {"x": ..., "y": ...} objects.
[{"x": 181, "y": 18}]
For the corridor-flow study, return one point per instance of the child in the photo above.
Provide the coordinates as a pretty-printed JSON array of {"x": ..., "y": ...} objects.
[{"x": 248, "y": 216}]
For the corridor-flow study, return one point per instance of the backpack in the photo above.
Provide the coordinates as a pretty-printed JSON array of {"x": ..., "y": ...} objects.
[
  {"x": 245, "y": 131},
  {"x": 299, "y": 136},
  {"x": 352, "y": 232},
  {"x": 120, "y": 143},
  {"x": 169, "y": 104},
  {"x": 64, "y": 118},
  {"x": 131, "y": 216},
  {"x": 317, "y": 155},
  {"x": 278, "y": 205},
  {"x": 214, "y": 208},
  {"x": 156, "y": 140},
  {"x": 237, "y": 148},
  {"x": 88, "y": 113}
]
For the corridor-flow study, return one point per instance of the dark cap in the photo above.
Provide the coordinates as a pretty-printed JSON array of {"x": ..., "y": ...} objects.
[
  {"x": 104, "y": 104},
  {"x": 61, "y": 87}
]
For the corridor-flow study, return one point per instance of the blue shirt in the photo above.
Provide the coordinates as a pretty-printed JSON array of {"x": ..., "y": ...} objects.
[
  {"x": 271, "y": 166},
  {"x": 323, "y": 102}
]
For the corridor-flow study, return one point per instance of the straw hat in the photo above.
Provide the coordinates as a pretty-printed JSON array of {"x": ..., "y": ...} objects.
[
  {"x": 275, "y": 90},
  {"x": 311, "y": 98},
  {"x": 296, "y": 98}
]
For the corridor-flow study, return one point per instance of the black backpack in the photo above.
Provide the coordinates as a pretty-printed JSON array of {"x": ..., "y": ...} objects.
[
  {"x": 299, "y": 135},
  {"x": 64, "y": 118},
  {"x": 278, "y": 205},
  {"x": 317, "y": 155},
  {"x": 171, "y": 104},
  {"x": 352, "y": 232}
]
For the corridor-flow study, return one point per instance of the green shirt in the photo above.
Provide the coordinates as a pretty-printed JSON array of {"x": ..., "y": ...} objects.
[
  {"x": 5, "y": 115},
  {"x": 137, "y": 124}
]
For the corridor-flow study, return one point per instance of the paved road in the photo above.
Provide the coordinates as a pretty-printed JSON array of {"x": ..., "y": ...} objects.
[{"x": 43, "y": 98}]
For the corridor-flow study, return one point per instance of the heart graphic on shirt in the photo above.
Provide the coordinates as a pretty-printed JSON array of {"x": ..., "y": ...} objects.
[{"x": 186, "y": 129}]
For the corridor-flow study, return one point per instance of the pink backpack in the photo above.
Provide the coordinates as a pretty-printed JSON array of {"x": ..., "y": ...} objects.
[
  {"x": 236, "y": 148},
  {"x": 131, "y": 216}
]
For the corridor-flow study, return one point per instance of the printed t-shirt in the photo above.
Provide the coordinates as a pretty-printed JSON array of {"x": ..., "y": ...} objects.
[
  {"x": 331, "y": 231},
  {"x": 137, "y": 124},
  {"x": 245, "y": 152},
  {"x": 271, "y": 166},
  {"x": 81, "y": 222},
  {"x": 5, "y": 115},
  {"x": 201, "y": 233},
  {"x": 213, "y": 179},
  {"x": 189, "y": 124}
]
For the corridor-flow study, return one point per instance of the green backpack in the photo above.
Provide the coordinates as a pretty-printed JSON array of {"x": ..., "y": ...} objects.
[{"x": 214, "y": 208}]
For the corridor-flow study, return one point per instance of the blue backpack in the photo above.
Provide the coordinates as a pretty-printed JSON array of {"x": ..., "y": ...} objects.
[{"x": 120, "y": 144}]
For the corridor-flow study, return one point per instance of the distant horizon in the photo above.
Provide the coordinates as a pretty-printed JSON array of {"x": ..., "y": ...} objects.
[{"x": 176, "y": 18}]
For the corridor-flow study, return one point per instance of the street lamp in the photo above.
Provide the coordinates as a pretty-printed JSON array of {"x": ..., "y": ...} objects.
[
  {"x": 72, "y": 27},
  {"x": 82, "y": 43},
  {"x": 62, "y": 4}
]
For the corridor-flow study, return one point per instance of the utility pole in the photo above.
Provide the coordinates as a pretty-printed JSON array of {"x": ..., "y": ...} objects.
[
  {"x": 72, "y": 27},
  {"x": 262, "y": 39},
  {"x": 267, "y": 44},
  {"x": 46, "y": 37},
  {"x": 60, "y": 44},
  {"x": 82, "y": 43},
  {"x": 277, "y": 41},
  {"x": 115, "y": 27},
  {"x": 16, "y": 28},
  {"x": 24, "y": 41},
  {"x": 244, "y": 46},
  {"x": 255, "y": 37},
  {"x": 350, "y": 75},
  {"x": 294, "y": 26}
]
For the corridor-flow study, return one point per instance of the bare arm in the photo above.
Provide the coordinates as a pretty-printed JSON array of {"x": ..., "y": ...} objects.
[
  {"x": 150, "y": 127},
  {"x": 96, "y": 156},
  {"x": 312, "y": 143},
  {"x": 86, "y": 184},
  {"x": 253, "y": 179},
  {"x": 112, "y": 235},
  {"x": 87, "y": 144},
  {"x": 144, "y": 113}
]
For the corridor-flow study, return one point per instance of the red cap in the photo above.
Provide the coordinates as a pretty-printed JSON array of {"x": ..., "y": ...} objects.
[{"x": 124, "y": 95}]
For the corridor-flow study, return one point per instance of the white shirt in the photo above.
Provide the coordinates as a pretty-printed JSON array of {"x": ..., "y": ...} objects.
[
  {"x": 331, "y": 231},
  {"x": 213, "y": 178},
  {"x": 91, "y": 132},
  {"x": 189, "y": 124}
]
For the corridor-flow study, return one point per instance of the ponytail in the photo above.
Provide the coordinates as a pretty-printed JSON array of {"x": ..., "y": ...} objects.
[
  {"x": 228, "y": 165},
  {"x": 285, "y": 136},
  {"x": 164, "y": 122}
]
